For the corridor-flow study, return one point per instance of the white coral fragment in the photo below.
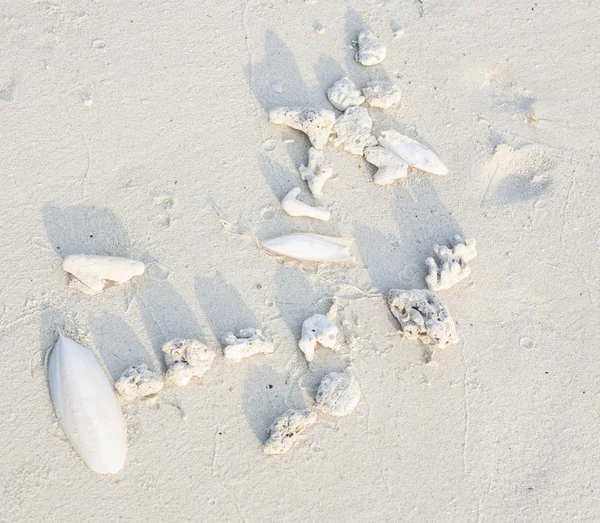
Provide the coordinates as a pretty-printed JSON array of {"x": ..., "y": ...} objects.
[
  {"x": 382, "y": 93},
  {"x": 137, "y": 381},
  {"x": 344, "y": 93},
  {"x": 317, "y": 329},
  {"x": 390, "y": 166},
  {"x": 316, "y": 172},
  {"x": 295, "y": 207},
  {"x": 370, "y": 50},
  {"x": 412, "y": 152},
  {"x": 186, "y": 359},
  {"x": 338, "y": 394},
  {"x": 311, "y": 247},
  {"x": 248, "y": 343},
  {"x": 315, "y": 123},
  {"x": 94, "y": 271},
  {"x": 423, "y": 316},
  {"x": 453, "y": 263},
  {"x": 352, "y": 130},
  {"x": 286, "y": 429}
]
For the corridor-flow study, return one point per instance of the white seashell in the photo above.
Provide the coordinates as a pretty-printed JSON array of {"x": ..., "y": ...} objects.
[
  {"x": 294, "y": 207},
  {"x": 382, "y": 93},
  {"x": 317, "y": 329},
  {"x": 422, "y": 316},
  {"x": 412, "y": 152},
  {"x": 186, "y": 359},
  {"x": 137, "y": 381},
  {"x": 338, "y": 394},
  {"x": 352, "y": 130},
  {"x": 247, "y": 343},
  {"x": 93, "y": 271},
  {"x": 311, "y": 247},
  {"x": 344, "y": 93},
  {"x": 391, "y": 167},
  {"x": 285, "y": 430},
  {"x": 453, "y": 263},
  {"x": 315, "y": 123},
  {"x": 370, "y": 50},
  {"x": 316, "y": 173},
  {"x": 87, "y": 407}
]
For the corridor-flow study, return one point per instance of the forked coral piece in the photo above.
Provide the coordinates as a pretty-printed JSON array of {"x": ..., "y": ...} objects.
[
  {"x": 286, "y": 429},
  {"x": 316, "y": 172},
  {"x": 422, "y": 316},
  {"x": 295, "y": 207},
  {"x": 453, "y": 263},
  {"x": 315, "y": 123}
]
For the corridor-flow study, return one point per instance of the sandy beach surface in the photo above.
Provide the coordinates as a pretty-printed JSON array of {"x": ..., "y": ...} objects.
[{"x": 135, "y": 129}]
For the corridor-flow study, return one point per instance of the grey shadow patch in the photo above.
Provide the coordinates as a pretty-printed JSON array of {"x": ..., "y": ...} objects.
[
  {"x": 265, "y": 394},
  {"x": 7, "y": 90},
  {"x": 279, "y": 178},
  {"x": 224, "y": 308},
  {"x": 120, "y": 345},
  {"x": 294, "y": 297},
  {"x": 328, "y": 71},
  {"x": 517, "y": 189}
]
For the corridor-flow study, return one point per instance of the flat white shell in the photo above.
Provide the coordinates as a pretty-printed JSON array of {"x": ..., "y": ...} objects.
[
  {"x": 412, "y": 152},
  {"x": 87, "y": 407},
  {"x": 311, "y": 247}
]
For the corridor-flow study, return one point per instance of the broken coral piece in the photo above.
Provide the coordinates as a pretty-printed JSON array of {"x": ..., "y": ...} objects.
[
  {"x": 382, "y": 93},
  {"x": 311, "y": 247},
  {"x": 338, "y": 394},
  {"x": 94, "y": 271},
  {"x": 316, "y": 172},
  {"x": 344, "y": 93},
  {"x": 370, "y": 50},
  {"x": 453, "y": 263},
  {"x": 412, "y": 152},
  {"x": 87, "y": 407},
  {"x": 186, "y": 359},
  {"x": 247, "y": 343},
  {"x": 315, "y": 123},
  {"x": 317, "y": 329},
  {"x": 137, "y": 381},
  {"x": 352, "y": 130},
  {"x": 390, "y": 166},
  {"x": 286, "y": 429},
  {"x": 422, "y": 316},
  {"x": 295, "y": 207}
]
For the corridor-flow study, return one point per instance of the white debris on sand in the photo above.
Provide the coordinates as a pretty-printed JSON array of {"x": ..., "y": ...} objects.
[
  {"x": 137, "y": 381},
  {"x": 382, "y": 93},
  {"x": 286, "y": 429},
  {"x": 412, "y": 152},
  {"x": 247, "y": 343},
  {"x": 186, "y": 359},
  {"x": 316, "y": 172},
  {"x": 370, "y": 50},
  {"x": 295, "y": 207},
  {"x": 423, "y": 316},
  {"x": 390, "y": 166},
  {"x": 315, "y": 123},
  {"x": 344, "y": 93},
  {"x": 352, "y": 131},
  {"x": 338, "y": 394},
  {"x": 95, "y": 271},
  {"x": 317, "y": 329},
  {"x": 453, "y": 263}
]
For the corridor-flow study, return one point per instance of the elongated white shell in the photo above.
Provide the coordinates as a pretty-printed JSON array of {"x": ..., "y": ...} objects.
[
  {"x": 311, "y": 247},
  {"x": 412, "y": 152},
  {"x": 87, "y": 407},
  {"x": 92, "y": 271}
]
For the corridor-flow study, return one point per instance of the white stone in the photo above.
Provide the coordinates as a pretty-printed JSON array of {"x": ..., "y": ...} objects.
[
  {"x": 317, "y": 329},
  {"x": 391, "y": 167},
  {"x": 315, "y": 123},
  {"x": 423, "y": 316},
  {"x": 286, "y": 429},
  {"x": 338, "y": 394},
  {"x": 186, "y": 359},
  {"x": 137, "y": 381},
  {"x": 94, "y": 271},
  {"x": 344, "y": 93},
  {"x": 452, "y": 265},
  {"x": 370, "y": 50},
  {"x": 248, "y": 343},
  {"x": 382, "y": 93},
  {"x": 295, "y": 207},
  {"x": 352, "y": 131},
  {"x": 316, "y": 172}
]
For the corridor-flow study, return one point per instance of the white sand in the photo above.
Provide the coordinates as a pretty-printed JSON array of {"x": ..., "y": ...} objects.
[{"x": 132, "y": 130}]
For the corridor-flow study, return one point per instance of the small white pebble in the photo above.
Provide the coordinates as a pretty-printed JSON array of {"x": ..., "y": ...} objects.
[
  {"x": 338, "y": 394},
  {"x": 285, "y": 430},
  {"x": 319, "y": 29},
  {"x": 278, "y": 88}
]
